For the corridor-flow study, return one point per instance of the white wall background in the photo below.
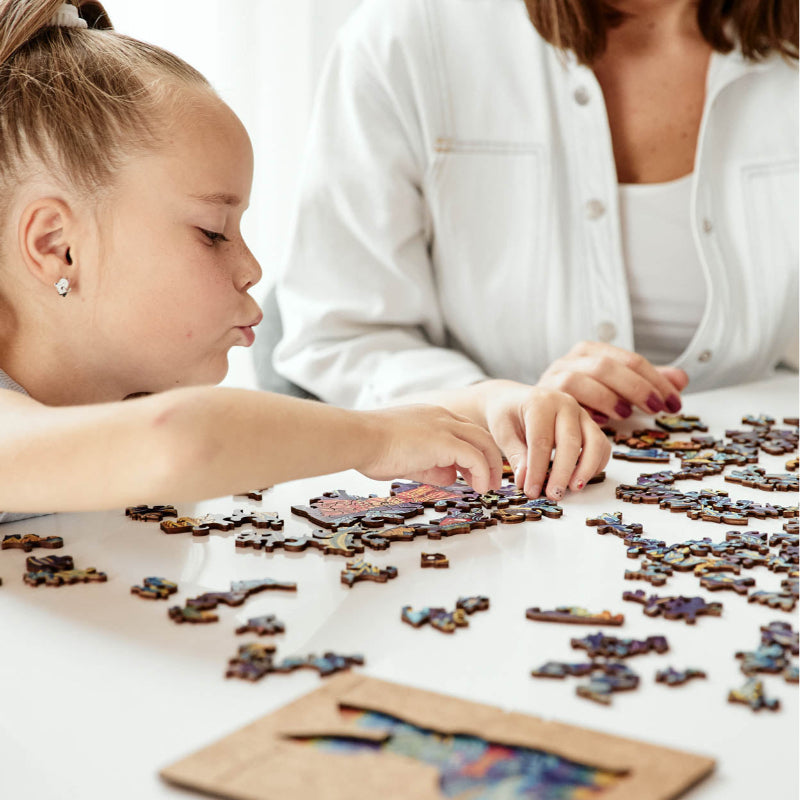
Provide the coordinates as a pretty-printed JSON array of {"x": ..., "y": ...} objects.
[{"x": 264, "y": 58}]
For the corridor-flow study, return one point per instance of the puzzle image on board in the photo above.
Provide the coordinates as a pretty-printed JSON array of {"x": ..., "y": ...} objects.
[{"x": 362, "y": 738}]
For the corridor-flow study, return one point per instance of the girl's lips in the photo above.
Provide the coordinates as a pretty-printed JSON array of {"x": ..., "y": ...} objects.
[{"x": 248, "y": 333}]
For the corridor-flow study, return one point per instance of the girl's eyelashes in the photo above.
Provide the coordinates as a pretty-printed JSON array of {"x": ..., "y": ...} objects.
[{"x": 213, "y": 236}]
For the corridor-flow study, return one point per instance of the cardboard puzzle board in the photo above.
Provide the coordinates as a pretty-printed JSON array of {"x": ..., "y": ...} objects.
[{"x": 259, "y": 762}]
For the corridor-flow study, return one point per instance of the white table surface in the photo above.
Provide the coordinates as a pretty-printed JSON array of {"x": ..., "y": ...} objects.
[{"x": 99, "y": 689}]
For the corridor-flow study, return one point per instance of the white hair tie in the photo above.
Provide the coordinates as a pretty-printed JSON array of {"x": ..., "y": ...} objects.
[{"x": 67, "y": 17}]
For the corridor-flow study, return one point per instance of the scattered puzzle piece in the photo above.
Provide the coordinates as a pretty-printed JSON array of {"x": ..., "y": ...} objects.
[
  {"x": 652, "y": 455},
  {"x": 458, "y": 522},
  {"x": 612, "y": 523},
  {"x": 29, "y": 541},
  {"x": 252, "y": 662},
  {"x": 655, "y": 574},
  {"x": 255, "y": 494},
  {"x": 90, "y": 575},
  {"x": 782, "y": 600},
  {"x": 760, "y": 421},
  {"x": 718, "y": 582},
  {"x": 752, "y": 694},
  {"x": 575, "y": 615},
  {"x": 472, "y": 604},
  {"x": 598, "y": 644},
  {"x": 767, "y": 658},
  {"x": 49, "y": 563},
  {"x": 780, "y": 633},
  {"x": 791, "y": 674},
  {"x": 614, "y": 678},
  {"x": 531, "y": 511},
  {"x": 674, "y": 607},
  {"x": 326, "y": 664},
  {"x": 442, "y": 619},
  {"x": 334, "y": 510},
  {"x": 150, "y": 513},
  {"x": 673, "y": 677},
  {"x": 680, "y": 423},
  {"x": 558, "y": 669},
  {"x": 436, "y": 560},
  {"x": 361, "y": 570},
  {"x": 155, "y": 589},
  {"x": 182, "y": 614},
  {"x": 792, "y": 464},
  {"x": 266, "y": 625}
]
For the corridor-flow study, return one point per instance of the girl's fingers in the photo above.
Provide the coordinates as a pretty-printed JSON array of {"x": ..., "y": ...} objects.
[
  {"x": 508, "y": 434},
  {"x": 568, "y": 441},
  {"x": 539, "y": 438},
  {"x": 481, "y": 439}
]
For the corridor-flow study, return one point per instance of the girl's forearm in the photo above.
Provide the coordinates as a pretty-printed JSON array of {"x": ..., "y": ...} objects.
[{"x": 179, "y": 446}]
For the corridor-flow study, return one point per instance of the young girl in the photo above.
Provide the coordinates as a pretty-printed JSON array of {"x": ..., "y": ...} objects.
[{"x": 124, "y": 277}]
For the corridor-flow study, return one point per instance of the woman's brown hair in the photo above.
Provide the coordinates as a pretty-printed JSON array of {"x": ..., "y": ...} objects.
[
  {"x": 761, "y": 27},
  {"x": 77, "y": 101}
]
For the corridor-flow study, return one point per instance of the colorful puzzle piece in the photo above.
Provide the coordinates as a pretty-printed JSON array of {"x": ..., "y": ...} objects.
[
  {"x": 531, "y": 511},
  {"x": 255, "y": 494},
  {"x": 782, "y": 600},
  {"x": 558, "y": 669},
  {"x": 715, "y": 583},
  {"x": 680, "y": 423},
  {"x": 612, "y": 523},
  {"x": 435, "y": 560},
  {"x": 752, "y": 694},
  {"x": 29, "y": 541},
  {"x": 574, "y": 615},
  {"x": 266, "y": 625},
  {"x": 674, "y": 607},
  {"x": 182, "y": 614},
  {"x": 613, "y": 678},
  {"x": 49, "y": 563},
  {"x": 652, "y": 455},
  {"x": 155, "y": 589},
  {"x": 150, "y": 513},
  {"x": 767, "y": 658},
  {"x": 361, "y": 570},
  {"x": 334, "y": 510},
  {"x": 655, "y": 574},
  {"x": 598, "y": 644},
  {"x": 673, "y": 677},
  {"x": 64, "y": 577},
  {"x": 780, "y": 633}
]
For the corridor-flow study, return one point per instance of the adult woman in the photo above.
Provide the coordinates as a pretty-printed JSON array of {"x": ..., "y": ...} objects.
[{"x": 464, "y": 215}]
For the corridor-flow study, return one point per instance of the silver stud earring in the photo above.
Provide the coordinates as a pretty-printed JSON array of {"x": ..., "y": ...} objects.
[{"x": 62, "y": 286}]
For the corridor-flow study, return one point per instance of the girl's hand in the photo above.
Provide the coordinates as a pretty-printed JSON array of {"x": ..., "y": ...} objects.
[
  {"x": 528, "y": 422},
  {"x": 609, "y": 381},
  {"x": 428, "y": 444}
]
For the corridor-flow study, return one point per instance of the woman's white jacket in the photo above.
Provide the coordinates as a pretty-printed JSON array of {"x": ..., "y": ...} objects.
[{"x": 458, "y": 212}]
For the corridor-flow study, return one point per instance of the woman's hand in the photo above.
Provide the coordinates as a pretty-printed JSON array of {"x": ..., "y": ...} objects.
[
  {"x": 528, "y": 422},
  {"x": 609, "y": 381},
  {"x": 428, "y": 444}
]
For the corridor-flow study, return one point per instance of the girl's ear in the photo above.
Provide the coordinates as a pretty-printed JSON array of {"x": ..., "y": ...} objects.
[{"x": 45, "y": 228}]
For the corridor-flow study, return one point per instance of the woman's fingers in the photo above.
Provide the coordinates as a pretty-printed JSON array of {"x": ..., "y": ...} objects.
[{"x": 610, "y": 381}]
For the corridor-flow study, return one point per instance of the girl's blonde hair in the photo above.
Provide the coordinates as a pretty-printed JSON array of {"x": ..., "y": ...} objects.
[{"x": 77, "y": 101}]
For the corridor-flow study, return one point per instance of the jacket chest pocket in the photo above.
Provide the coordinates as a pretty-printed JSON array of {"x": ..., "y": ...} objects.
[
  {"x": 771, "y": 209},
  {"x": 487, "y": 207}
]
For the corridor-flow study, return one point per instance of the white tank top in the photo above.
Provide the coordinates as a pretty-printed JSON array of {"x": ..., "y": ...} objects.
[{"x": 665, "y": 278}]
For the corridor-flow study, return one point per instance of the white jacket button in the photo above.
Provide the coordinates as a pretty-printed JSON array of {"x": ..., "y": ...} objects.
[
  {"x": 582, "y": 96},
  {"x": 704, "y": 356},
  {"x": 606, "y": 331},
  {"x": 595, "y": 208}
]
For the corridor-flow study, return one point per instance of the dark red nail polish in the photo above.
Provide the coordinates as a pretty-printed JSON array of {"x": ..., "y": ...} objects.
[
  {"x": 654, "y": 404},
  {"x": 600, "y": 419},
  {"x": 673, "y": 403},
  {"x": 623, "y": 408}
]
